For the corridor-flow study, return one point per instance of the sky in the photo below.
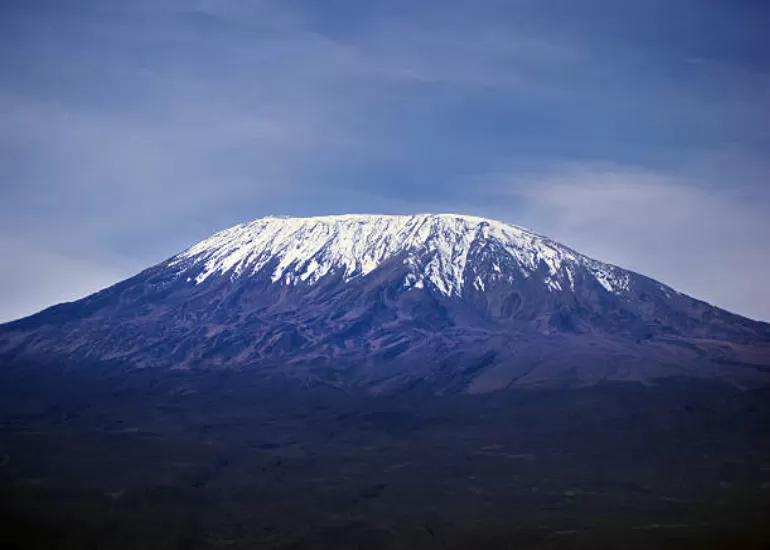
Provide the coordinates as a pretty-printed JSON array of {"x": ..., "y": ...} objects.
[{"x": 637, "y": 133}]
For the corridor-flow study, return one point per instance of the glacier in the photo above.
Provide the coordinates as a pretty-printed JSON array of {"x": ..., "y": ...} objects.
[{"x": 434, "y": 246}]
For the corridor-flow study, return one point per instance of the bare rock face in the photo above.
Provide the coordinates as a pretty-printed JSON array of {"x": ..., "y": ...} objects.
[{"x": 385, "y": 303}]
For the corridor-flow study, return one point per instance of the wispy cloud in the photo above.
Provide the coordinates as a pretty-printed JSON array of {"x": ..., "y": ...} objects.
[
  {"x": 706, "y": 241},
  {"x": 34, "y": 278}
]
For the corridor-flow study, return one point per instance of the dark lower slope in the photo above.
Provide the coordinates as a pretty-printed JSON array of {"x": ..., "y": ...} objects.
[
  {"x": 207, "y": 460},
  {"x": 374, "y": 333}
]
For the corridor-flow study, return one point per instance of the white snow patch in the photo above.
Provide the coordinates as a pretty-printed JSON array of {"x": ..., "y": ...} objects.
[
  {"x": 478, "y": 283},
  {"x": 436, "y": 249}
]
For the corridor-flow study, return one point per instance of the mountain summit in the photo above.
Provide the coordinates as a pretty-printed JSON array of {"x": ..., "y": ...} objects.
[
  {"x": 438, "y": 249},
  {"x": 445, "y": 302}
]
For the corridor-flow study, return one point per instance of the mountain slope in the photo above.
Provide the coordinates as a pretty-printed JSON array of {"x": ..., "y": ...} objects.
[{"x": 453, "y": 303}]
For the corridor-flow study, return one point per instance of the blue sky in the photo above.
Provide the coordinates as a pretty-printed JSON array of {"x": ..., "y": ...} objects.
[{"x": 635, "y": 132}]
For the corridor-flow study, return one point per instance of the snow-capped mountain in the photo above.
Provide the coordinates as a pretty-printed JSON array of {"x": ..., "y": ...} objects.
[
  {"x": 444, "y": 301},
  {"x": 436, "y": 248}
]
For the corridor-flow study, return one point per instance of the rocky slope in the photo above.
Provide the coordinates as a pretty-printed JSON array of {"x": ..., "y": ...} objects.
[{"x": 449, "y": 302}]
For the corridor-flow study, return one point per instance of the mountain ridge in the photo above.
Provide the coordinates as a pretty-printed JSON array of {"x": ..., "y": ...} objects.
[
  {"x": 383, "y": 303},
  {"x": 235, "y": 248}
]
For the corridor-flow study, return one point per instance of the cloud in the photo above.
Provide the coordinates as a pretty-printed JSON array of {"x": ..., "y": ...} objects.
[
  {"x": 131, "y": 130},
  {"x": 33, "y": 279},
  {"x": 705, "y": 241}
]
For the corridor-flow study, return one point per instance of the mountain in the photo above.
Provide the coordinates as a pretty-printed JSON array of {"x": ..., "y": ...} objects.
[{"x": 442, "y": 302}]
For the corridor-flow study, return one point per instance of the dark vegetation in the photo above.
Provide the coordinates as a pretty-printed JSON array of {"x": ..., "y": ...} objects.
[{"x": 153, "y": 459}]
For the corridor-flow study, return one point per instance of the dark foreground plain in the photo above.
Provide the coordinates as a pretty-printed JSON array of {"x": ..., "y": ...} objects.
[{"x": 160, "y": 460}]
